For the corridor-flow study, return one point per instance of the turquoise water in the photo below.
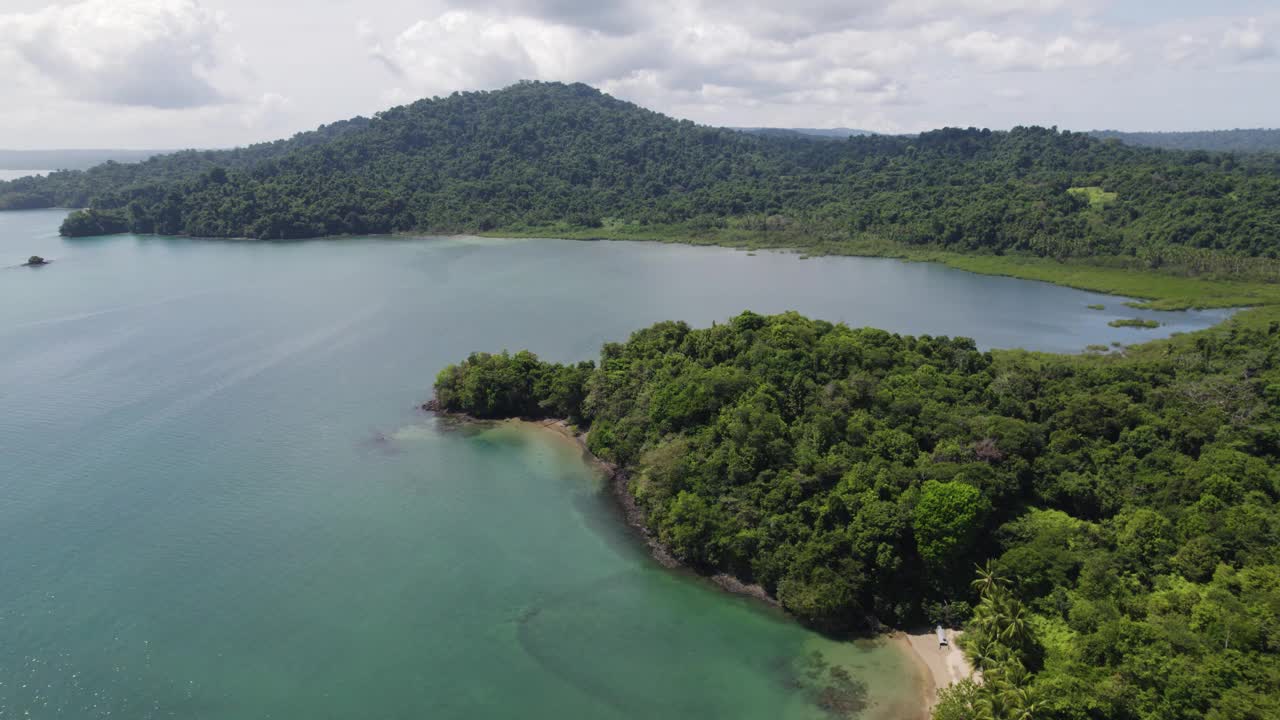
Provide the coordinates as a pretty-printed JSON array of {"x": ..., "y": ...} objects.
[{"x": 218, "y": 500}]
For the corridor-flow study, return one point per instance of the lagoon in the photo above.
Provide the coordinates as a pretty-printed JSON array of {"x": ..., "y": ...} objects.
[{"x": 218, "y": 499}]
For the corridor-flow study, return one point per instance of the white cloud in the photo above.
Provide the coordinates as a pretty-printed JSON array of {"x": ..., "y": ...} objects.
[
  {"x": 854, "y": 78},
  {"x": 152, "y": 53},
  {"x": 724, "y": 60},
  {"x": 465, "y": 50},
  {"x": 1066, "y": 52},
  {"x": 373, "y": 46},
  {"x": 994, "y": 51},
  {"x": 267, "y": 111},
  {"x": 460, "y": 49},
  {"x": 171, "y": 72},
  {"x": 920, "y": 10},
  {"x": 614, "y": 17},
  {"x": 1184, "y": 47},
  {"x": 997, "y": 52},
  {"x": 685, "y": 57},
  {"x": 1248, "y": 41}
]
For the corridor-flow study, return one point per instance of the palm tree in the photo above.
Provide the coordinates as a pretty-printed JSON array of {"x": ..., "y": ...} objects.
[
  {"x": 992, "y": 707},
  {"x": 1022, "y": 703},
  {"x": 1016, "y": 627},
  {"x": 981, "y": 622},
  {"x": 987, "y": 710},
  {"x": 1030, "y": 711},
  {"x": 986, "y": 655},
  {"x": 1013, "y": 673},
  {"x": 988, "y": 580}
]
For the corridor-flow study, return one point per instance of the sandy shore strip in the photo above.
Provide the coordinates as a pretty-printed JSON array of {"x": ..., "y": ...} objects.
[
  {"x": 560, "y": 428},
  {"x": 941, "y": 667}
]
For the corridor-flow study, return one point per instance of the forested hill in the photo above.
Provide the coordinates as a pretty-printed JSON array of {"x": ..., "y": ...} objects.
[
  {"x": 133, "y": 174},
  {"x": 1254, "y": 140},
  {"x": 539, "y": 156},
  {"x": 1124, "y": 509}
]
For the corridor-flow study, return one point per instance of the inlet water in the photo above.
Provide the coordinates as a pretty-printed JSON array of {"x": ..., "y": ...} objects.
[{"x": 217, "y": 499}]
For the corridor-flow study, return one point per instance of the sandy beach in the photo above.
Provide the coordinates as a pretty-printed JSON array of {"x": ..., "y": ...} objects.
[
  {"x": 941, "y": 667},
  {"x": 560, "y": 428}
]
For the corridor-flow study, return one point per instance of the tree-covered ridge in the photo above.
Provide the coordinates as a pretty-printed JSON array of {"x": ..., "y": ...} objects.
[
  {"x": 1129, "y": 504},
  {"x": 1251, "y": 140},
  {"x": 96, "y": 185},
  {"x": 548, "y": 155}
]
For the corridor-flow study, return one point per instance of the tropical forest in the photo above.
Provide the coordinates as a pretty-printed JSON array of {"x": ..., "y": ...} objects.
[
  {"x": 555, "y": 158},
  {"x": 1106, "y": 529},
  {"x": 1101, "y": 529}
]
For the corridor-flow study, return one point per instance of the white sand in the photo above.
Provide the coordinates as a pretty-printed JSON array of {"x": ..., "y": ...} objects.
[{"x": 942, "y": 667}]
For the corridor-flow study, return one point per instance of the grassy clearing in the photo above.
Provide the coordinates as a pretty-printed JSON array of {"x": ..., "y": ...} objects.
[
  {"x": 1160, "y": 291},
  {"x": 1096, "y": 196},
  {"x": 1134, "y": 323}
]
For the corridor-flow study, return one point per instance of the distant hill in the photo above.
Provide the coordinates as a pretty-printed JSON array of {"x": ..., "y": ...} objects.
[
  {"x": 74, "y": 188},
  {"x": 1237, "y": 141},
  {"x": 549, "y": 158},
  {"x": 836, "y": 133},
  {"x": 69, "y": 159}
]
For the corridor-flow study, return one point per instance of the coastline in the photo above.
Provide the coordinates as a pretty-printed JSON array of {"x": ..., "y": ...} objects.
[
  {"x": 928, "y": 682},
  {"x": 633, "y": 514},
  {"x": 1156, "y": 290},
  {"x": 1254, "y": 300},
  {"x": 1257, "y": 297},
  {"x": 936, "y": 669}
]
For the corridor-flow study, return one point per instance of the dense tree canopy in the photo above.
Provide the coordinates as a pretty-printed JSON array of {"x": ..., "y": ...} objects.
[
  {"x": 1124, "y": 509},
  {"x": 540, "y": 154}
]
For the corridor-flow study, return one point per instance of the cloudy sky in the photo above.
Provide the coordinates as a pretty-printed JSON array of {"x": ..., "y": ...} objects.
[{"x": 181, "y": 73}]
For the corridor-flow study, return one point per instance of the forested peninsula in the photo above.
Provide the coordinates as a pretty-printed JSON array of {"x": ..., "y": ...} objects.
[
  {"x": 1121, "y": 510},
  {"x": 556, "y": 159}
]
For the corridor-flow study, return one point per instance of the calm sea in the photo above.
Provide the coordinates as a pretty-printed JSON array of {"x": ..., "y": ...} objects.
[{"x": 218, "y": 500}]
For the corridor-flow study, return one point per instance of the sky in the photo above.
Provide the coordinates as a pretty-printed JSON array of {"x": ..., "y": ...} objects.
[{"x": 216, "y": 73}]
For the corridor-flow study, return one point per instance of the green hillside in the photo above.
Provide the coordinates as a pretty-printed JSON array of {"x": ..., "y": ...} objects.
[{"x": 553, "y": 157}]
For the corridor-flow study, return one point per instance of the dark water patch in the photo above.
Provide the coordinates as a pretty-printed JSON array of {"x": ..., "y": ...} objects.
[
  {"x": 380, "y": 442},
  {"x": 590, "y": 634}
]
